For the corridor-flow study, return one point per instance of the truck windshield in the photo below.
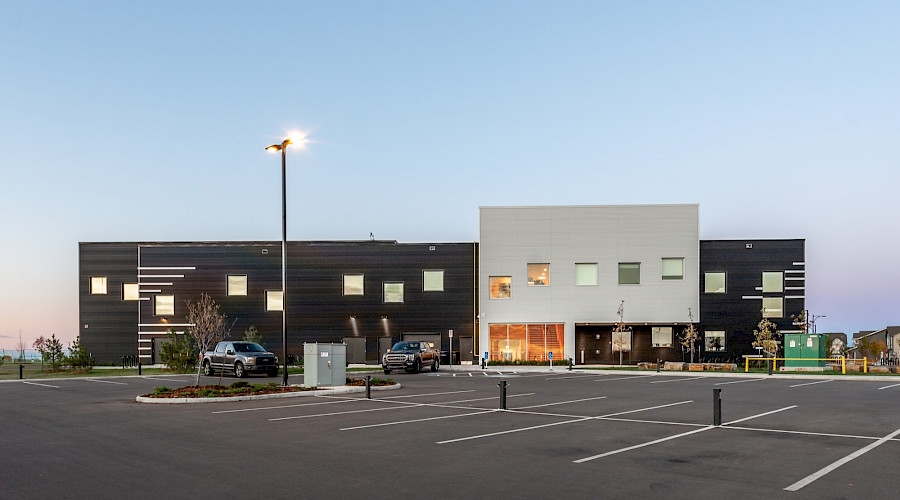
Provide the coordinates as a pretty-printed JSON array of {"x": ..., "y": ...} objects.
[
  {"x": 248, "y": 347},
  {"x": 406, "y": 346}
]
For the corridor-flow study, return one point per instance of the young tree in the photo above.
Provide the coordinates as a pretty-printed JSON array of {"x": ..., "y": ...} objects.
[
  {"x": 79, "y": 358},
  {"x": 40, "y": 344},
  {"x": 766, "y": 337},
  {"x": 690, "y": 336},
  {"x": 51, "y": 351},
  {"x": 178, "y": 353},
  {"x": 252, "y": 335},
  {"x": 208, "y": 325},
  {"x": 621, "y": 334}
]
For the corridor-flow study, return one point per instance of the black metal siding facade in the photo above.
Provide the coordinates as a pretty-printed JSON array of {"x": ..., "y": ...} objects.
[
  {"x": 107, "y": 324},
  {"x": 737, "y": 311}
]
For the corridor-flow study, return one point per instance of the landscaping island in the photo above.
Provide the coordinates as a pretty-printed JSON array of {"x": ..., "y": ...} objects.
[{"x": 243, "y": 390}]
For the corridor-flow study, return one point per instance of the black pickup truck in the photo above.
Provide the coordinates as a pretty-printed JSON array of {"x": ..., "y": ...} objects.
[
  {"x": 239, "y": 358},
  {"x": 411, "y": 355}
]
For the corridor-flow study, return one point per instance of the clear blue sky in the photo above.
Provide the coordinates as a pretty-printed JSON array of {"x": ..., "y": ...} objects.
[{"x": 124, "y": 121}]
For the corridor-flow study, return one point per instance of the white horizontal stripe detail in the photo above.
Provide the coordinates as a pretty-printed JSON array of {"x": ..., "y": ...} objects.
[
  {"x": 794, "y": 271},
  {"x": 145, "y": 356},
  {"x": 144, "y": 340},
  {"x": 795, "y": 288},
  {"x": 788, "y": 278},
  {"x": 164, "y": 324},
  {"x": 145, "y": 348},
  {"x": 160, "y": 276},
  {"x": 799, "y": 263},
  {"x": 154, "y": 284},
  {"x": 144, "y": 298},
  {"x": 751, "y": 297},
  {"x": 758, "y": 289},
  {"x": 186, "y": 268},
  {"x": 795, "y": 296},
  {"x": 157, "y": 290}
]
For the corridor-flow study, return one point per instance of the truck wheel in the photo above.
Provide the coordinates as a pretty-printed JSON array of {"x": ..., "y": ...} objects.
[
  {"x": 207, "y": 370},
  {"x": 387, "y": 372},
  {"x": 435, "y": 365},
  {"x": 418, "y": 366},
  {"x": 239, "y": 370}
]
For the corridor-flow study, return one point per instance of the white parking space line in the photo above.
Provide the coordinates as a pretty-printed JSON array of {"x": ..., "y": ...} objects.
[
  {"x": 888, "y": 386},
  {"x": 675, "y": 380},
  {"x": 240, "y": 410},
  {"x": 572, "y": 376},
  {"x": 825, "y": 470},
  {"x": 576, "y": 419},
  {"x": 427, "y": 394},
  {"x": 811, "y": 383},
  {"x": 482, "y": 412},
  {"x": 740, "y": 381},
  {"x": 166, "y": 379},
  {"x": 676, "y": 436},
  {"x": 104, "y": 381},
  {"x": 622, "y": 378},
  {"x": 42, "y": 385},
  {"x": 559, "y": 403},
  {"x": 406, "y": 405}
]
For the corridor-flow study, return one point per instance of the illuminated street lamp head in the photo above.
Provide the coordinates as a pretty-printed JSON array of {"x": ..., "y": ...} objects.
[{"x": 290, "y": 140}]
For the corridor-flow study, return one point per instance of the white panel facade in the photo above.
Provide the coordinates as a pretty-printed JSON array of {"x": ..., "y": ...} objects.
[{"x": 513, "y": 237}]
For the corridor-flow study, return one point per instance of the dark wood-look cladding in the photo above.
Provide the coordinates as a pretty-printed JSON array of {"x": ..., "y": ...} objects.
[
  {"x": 106, "y": 323},
  {"x": 317, "y": 309},
  {"x": 599, "y": 351},
  {"x": 743, "y": 268}
]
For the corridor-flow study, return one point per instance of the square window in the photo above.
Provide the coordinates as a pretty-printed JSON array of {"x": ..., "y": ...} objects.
[
  {"x": 164, "y": 305},
  {"x": 714, "y": 282},
  {"x": 274, "y": 300},
  {"x": 237, "y": 284},
  {"x": 773, "y": 307},
  {"x": 539, "y": 274},
  {"x": 673, "y": 268},
  {"x": 393, "y": 292},
  {"x": 432, "y": 281},
  {"x": 629, "y": 273},
  {"x": 500, "y": 287},
  {"x": 130, "y": 291},
  {"x": 715, "y": 341},
  {"x": 661, "y": 336},
  {"x": 98, "y": 285},
  {"x": 586, "y": 274},
  {"x": 354, "y": 284},
  {"x": 773, "y": 282}
]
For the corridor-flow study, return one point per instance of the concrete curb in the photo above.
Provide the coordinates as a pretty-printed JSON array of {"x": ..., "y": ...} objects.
[{"x": 331, "y": 391}]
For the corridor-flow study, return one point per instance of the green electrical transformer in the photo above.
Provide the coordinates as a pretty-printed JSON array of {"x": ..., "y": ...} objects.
[{"x": 804, "y": 350}]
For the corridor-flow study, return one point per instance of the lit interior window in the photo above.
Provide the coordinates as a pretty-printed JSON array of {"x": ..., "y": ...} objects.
[
  {"x": 773, "y": 282},
  {"x": 661, "y": 336},
  {"x": 237, "y": 284},
  {"x": 773, "y": 307},
  {"x": 393, "y": 292},
  {"x": 274, "y": 300},
  {"x": 98, "y": 285},
  {"x": 500, "y": 287},
  {"x": 130, "y": 291},
  {"x": 354, "y": 284},
  {"x": 715, "y": 341},
  {"x": 539, "y": 274},
  {"x": 433, "y": 281},
  {"x": 673, "y": 269},
  {"x": 164, "y": 305},
  {"x": 714, "y": 283},
  {"x": 586, "y": 274}
]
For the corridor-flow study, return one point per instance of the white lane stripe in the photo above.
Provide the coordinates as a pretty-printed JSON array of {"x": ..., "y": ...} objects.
[
  {"x": 811, "y": 383},
  {"x": 888, "y": 386},
  {"x": 470, "y": 374},
  {"x": 676, "y": 436},
  {"x": 579, "y": 419},
  {"x": 740, "y": 381},
  {"x": 104, "y": 381},
  {"x": 573, "y": 376},
  {"x": 42, "y": 385},
  {"x": 805, "y": 433},
  {"x": 622, "y": 378},
  {"x": 418, "y": 420},
  {"x": 675, "y": 380},
  {"x": 825, "y": 470},
  {"x": 406, "y": 405},
  {"x": 560, "y": 403}
]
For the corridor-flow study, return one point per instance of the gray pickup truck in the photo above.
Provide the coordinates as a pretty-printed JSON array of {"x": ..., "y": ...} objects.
[
  {"x": 411, "y": 355},
  {"x": 239, "y": 358}
]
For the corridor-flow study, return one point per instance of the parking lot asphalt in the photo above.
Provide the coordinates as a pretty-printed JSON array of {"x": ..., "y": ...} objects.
[{"x": 582, "y": 435}]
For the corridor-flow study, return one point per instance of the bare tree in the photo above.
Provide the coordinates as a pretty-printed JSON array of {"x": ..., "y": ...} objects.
[
  {"x": 21, "y": 346},
  {"x": 621, "y": 333},
  {"x": 690, "y": 336},
  {"x": 207, "y": 325}
]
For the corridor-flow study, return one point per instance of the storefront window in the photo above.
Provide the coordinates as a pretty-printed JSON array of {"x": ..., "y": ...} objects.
[{"x": 532, "y": 342}]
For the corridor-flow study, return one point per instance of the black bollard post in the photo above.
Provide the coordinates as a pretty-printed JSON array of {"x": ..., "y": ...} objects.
[
  {"x": 123, "y": 362},
  {"x": 483, "y": 363},
  {"x": 502, "y": 386},
  {"x": 21, "y": 367},
  {"x": 368, "y": 387},
  {"x": 571, "y": 364},
  {"x": 658, "y": 361},
  {"x": 139, "y": 365},
  {"x": 717, "y": 406},
  {"x": 770, "y": 366}
]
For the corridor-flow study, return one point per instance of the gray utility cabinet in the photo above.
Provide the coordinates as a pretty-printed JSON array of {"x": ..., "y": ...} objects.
[{"x": 324, "y": 364}]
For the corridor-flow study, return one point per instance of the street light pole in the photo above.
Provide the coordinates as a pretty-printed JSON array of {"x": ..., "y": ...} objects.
[{"x": 283, "y": 147}]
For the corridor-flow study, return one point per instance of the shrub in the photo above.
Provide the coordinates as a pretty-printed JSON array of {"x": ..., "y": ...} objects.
[
  {"x": 161, "y": 390},
  {"x": 240, "y": 383},
  {"x": 252, "y": 335},
  {"x": 79, "y": 359},
  {"x": 178, "y": 353}
]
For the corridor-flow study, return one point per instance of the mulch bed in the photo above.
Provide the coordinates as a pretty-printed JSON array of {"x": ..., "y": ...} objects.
[{"x": 241, "y": 388}]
